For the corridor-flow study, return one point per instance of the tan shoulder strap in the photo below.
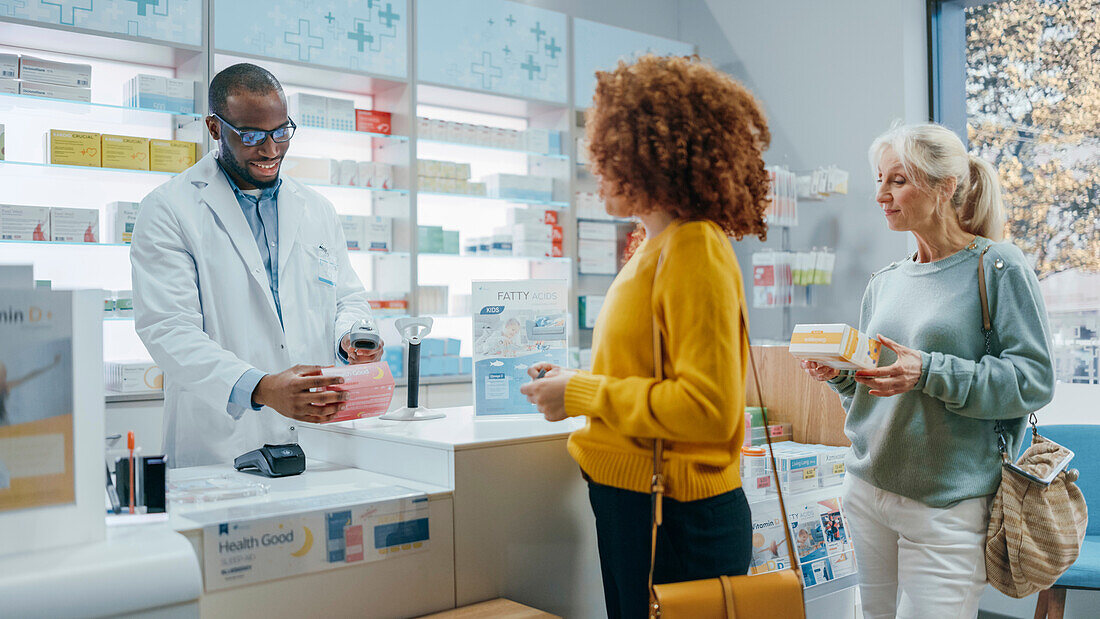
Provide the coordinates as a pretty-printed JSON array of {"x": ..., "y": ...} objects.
[
  {"x": 657, "y": 483},
  {"x": 987, "y": 322}
]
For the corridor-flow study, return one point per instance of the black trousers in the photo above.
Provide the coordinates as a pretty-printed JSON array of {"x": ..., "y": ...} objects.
[{"x": 698, "y": 539}]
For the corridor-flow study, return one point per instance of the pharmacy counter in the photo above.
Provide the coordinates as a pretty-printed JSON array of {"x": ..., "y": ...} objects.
[
  {"x": 334, "y": 540},
  {"x": 138, "y": 570},
  {"x": 523, "y": 528}
]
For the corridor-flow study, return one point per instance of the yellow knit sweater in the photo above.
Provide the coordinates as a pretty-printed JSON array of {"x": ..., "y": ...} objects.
[{"x": 699, "y": 407}]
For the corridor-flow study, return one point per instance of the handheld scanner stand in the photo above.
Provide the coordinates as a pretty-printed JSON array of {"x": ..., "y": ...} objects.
[{"x": 364, "y": 336}]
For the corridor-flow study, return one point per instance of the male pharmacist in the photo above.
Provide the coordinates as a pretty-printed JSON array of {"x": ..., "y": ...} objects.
[{"x": 242, "y": 285}]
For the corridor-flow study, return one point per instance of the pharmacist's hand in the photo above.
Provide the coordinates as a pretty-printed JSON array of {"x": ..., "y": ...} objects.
[
  {"x": 288, "y": 392},
  {"x": 898, "y": 377},
  {"x": 818, "y": 371},
  {"x": 548, "y": 393},
  {"x": 357, "y": 356}
]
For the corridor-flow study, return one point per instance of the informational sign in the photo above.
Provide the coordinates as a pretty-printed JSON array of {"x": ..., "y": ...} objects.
[
  {"x": 493, "y": 45},
  {"x": 599, "y": 47},
  {"x": 516, "y": 325},
  {"x": 175, "y": 21},
  {"x": 362, "y": 35},
  {"x": 251, "y": 550},
  {"x": 36, "y": 400},
  {"x": 821, "y": 537}
]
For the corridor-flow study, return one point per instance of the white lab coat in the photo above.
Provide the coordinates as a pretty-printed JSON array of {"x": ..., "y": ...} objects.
[{"x": 204, "y": 309}]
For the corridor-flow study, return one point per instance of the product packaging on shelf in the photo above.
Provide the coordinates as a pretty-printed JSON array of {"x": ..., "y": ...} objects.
[
  {"x": 588, "y": 306},
  {"x": 430, "y": 239},
  {"x": 124, "y": 303},
  {"x": 135, "y": 376},
  {"x": 9, "y": 87},
  {"x": 537, "y": 249},
  {"x": 9, "y": 66},
  {"x": 312, "y": 169},
  {"x": 148, "y": 92},
  {"x": 308, "y": 110},
  {"x": 373, "y": 121},
  {"x": 126, "y": 152},
  {"x": 369, "y": 388},
  {"x": 55, "y": 91},
  {"x": 597, "y": 231},
  {"x": 450, "y": 242},
  {"x": 53, "y": 72},
  {"x": 836, "y": 345},
  {"x": 354, "y": 231},
  {"x": 171, "y": 155},
  {"x": 598, "y": 257},
  {"x": 501, "y": 244},
  {"x": 180, "y": 96},
  {"x": 517, "y": 216},
  {"x": 24, "y": 223},
  {"x": 74, "y": 225},
  {"x": 121, "y": 217},
  {"x": 348, "y": 173},
  {"x": 2, "y": 153},
  {"x": 339, "y": 114},
  {"x": 73, "y": 148},
  {"x": 519, "y": 187}
]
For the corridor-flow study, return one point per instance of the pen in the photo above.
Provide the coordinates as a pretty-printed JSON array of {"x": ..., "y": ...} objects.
[
  {"x": 542, "y": 373},
  {"x": 130, "y": 444}
]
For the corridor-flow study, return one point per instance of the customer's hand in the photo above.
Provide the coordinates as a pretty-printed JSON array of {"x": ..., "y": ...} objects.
[
  {"x": 818, "y": 371},
  {"x": 289, "y": 393},
  {"x": 548, "y": 393},
  {"x": 898, "y": 377},
  {"x": 356, "y": 355}
]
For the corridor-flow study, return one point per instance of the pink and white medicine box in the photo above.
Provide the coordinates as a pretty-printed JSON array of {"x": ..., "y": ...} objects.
[{"x": 369, "y": 387}]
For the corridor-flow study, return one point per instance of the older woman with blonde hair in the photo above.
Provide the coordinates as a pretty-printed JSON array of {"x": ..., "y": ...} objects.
[
  {"x": 925, "y": 461},
  {"x": 677, "y": 144}
]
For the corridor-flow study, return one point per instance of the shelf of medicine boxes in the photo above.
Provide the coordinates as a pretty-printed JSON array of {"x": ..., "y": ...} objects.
[
  {"x": 70, "y": 40},
  {"x": 51, "y": 107}
]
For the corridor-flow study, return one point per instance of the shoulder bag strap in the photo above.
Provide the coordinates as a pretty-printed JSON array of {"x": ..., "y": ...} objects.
[{"x": 657, "y": 483}]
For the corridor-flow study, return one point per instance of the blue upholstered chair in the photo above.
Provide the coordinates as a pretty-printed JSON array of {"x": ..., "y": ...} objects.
[{"x": 1084, "y": 441}]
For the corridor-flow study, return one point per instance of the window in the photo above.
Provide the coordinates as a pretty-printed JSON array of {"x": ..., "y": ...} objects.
[{"x": 1019, "y": 80}]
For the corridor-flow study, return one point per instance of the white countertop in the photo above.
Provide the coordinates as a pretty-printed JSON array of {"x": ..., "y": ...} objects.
[
  {"x": 136, "y": 568},
  {"x": 320, "y": 480},
  {"x": 459, "y": 430}
]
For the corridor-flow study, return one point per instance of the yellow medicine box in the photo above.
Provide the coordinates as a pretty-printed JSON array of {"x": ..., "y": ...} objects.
[
  {"x": 171, "y": 155},
  {"x": 74, "y": 148},
  {"x": 835, "y": 345},
  {"x": 123, "y": 151}
]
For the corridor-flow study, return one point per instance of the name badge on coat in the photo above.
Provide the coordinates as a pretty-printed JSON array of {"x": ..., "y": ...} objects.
[{"x": 326, "y": 266}]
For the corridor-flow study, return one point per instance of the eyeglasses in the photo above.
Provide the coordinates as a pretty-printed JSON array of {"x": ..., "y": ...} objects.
[{"x": 255, "y": 137}]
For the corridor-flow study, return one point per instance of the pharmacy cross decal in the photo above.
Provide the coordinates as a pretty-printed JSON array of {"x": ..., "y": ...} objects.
[
  {"x": 143, "y": 5},
  {"x": 9, "y": 8},
  {"x": 303, "y": 40},
  {"x": 486, "y": 70},
  {"x": 360, "y": 36},
  {"x": 71, "y": 7}
]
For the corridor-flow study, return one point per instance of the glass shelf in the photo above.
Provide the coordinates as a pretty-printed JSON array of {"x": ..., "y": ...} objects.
[
  {"x": 379, "y": 254},
  {"x": 462, "y": 196},
  {"x": 67, "y": 105},
  {"x": 501, "y": 149},
  {"x": 605, "y": 221},
  {"x": 478, "y": 257},
  {"x": 357, "y": 187},
  {"x": 84, "y": 168},
  {"x": 118, "y": 319},
  {"x": 307, "y": 130},
  {"x": 65, "y": 243}
]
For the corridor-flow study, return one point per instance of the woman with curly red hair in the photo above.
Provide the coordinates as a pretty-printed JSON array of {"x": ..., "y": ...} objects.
[{"x": 678, "y": 145}]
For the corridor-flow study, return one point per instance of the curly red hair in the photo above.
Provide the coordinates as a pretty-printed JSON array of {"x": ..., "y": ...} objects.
[{"x": 676, "y": 134}]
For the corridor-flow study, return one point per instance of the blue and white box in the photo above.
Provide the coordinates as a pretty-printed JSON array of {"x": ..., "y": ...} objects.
[
  {"x": 310, "y": 110},
  {"x": 516, "y": 325},
  {"x": 452, "y": 346},
  {"x": 149, "y": 92}
]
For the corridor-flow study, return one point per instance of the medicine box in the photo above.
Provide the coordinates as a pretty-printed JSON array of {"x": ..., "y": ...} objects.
[
  {"x": 121, "y": 217},
  {"x": 452, "y": 346},
  {"x": 126, "y": 152},
  {"x": 500, "y": 245},
  {"x": 148, "y": 92},
  {"x": 597, "y": 231},
  {"x": 312, "y": 169},
  {"x": 519, "y": 187},
  {"x": 373, "y": 121},
  {"x": 135, "y": 376},
  {"x": 339, "y": 114},
  {"x": 124, "y": 302},
  {"x": 348, "y": 173},
  {"x": 368, "y": 233},
  {"x": 74, "y": 225},
  {"x": 532, "y": 216},
  {"x": 836, "y": 345},
  {"x": 450, "y": 241},
  {"x": 24, "y": 223},
  {"x": 430, "y": 239},
  {"x": 53, "y": 91},
  {"x": 9, "y": 66},
  {"x": 9, "y": 87},
  {"x": 171, "y": 155},
  {"x": 180, "y": 96},
  {"x": 354, "y": 231},
  {"x": 308, "y": 110},
  {"x": 395, "y": 358},
  {"x": 73, "y": 148},
  {"x": 588, "y": 306},
  {"x": 537, "y": 249},
  {"x": 433, "y": 347},
  {"x": 53, "y": 72},
  {"x": 369, "y": 388},
  {"x": 466, "y": 365}
]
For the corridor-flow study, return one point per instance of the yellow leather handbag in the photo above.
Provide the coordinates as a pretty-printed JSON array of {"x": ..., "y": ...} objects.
[{"x": 776, "y": 595}]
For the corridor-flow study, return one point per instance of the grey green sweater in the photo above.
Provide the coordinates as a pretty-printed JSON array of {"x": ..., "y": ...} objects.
[{"x": 936, "y": 443}]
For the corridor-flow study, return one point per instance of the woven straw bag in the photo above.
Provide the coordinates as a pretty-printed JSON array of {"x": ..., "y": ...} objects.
[{"x": 1038, "y": 518}]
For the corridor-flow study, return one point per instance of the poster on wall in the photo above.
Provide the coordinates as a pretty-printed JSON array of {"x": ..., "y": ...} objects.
[
  {"x": 36, "y": 400},
  {"x": 516, "y": 325},
  {"x": 368, "y": 36},
  {"x": 174, "y": 21},
  {"x": 493, "y": 45},
  {"x": 599, "y": 47}
]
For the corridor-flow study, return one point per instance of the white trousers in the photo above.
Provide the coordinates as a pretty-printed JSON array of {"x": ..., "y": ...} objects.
[{"x": 916, "y": 561}]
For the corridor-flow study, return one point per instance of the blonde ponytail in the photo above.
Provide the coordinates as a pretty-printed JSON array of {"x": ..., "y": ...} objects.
[
  {"x": 983, "y": 212},
  {"x": 931, "y": 154}
]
